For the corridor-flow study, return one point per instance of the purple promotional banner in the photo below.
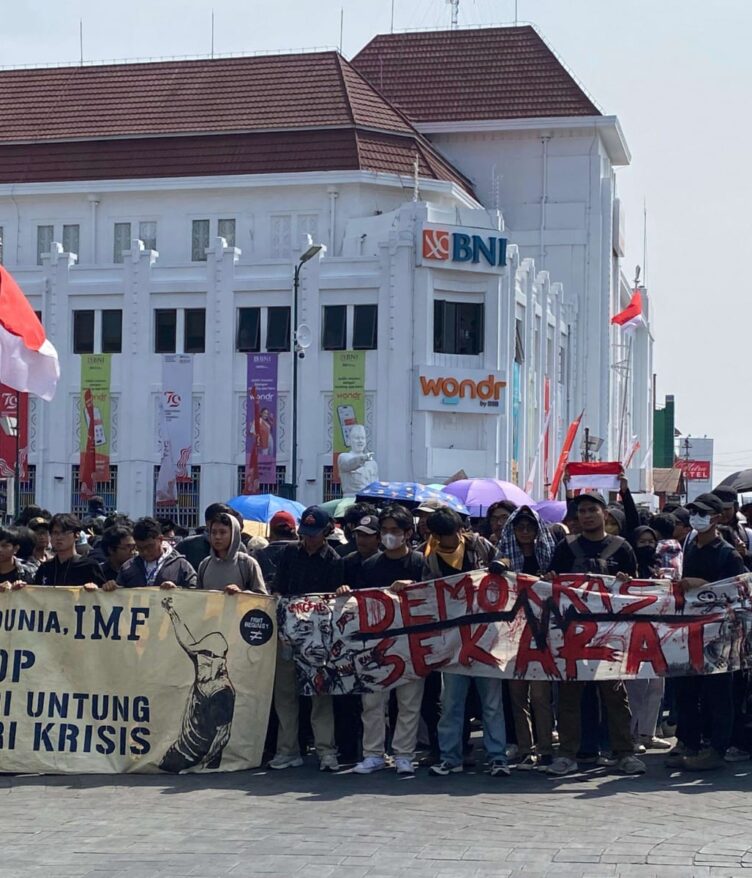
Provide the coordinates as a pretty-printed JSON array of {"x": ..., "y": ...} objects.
[{"x": 261, "y": 422}]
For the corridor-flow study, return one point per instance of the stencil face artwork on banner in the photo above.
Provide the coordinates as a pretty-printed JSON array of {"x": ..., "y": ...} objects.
[
  {"x": 133, "y": 681},
  {"x": 577, "y": 627},
  {"x": 14, "y": 416},
  {"x": 175, "y": 427},
  {"x": 261, "y": 422},
  {"x": 95, "y": 422}
]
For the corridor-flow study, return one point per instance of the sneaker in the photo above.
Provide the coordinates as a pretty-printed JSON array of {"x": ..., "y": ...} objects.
[
  {"x": 651, "y": 742},
  {"x": 281, "y": 761},
  {"x": 706, "y": 760},
  {"x": 369, "y": 765},
  {"x": 329, "y": 763},
  {"x": 630, "y": 764},
  {"x": 735, "y": 754},
  {"x": 499, "y": 769},
  {"x": 607, "y": 760},
  {"x": 640, "y": 748},
  {"x": 528, "y": 763},
  {"x": 675, "y": 757},
  {"x": 562, "y": 765},
  {"x": 440, "y": 769},
  {"x": 404, "y": 765}
]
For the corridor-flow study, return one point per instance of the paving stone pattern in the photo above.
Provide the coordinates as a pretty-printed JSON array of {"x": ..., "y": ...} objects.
[{"x": 302, "y": 823}]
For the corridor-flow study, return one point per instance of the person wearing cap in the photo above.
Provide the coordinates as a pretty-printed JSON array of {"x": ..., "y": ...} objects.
[
  {"x": 283, "y": 530},
  {"x": 310, "y": 566},
  {"x": 705, "y": 702},
  {"x": 596, "y": 552},
  {"x": 526, "y": 546},
  {"x": 41, "y": 529},
  {"x": 733, "y": 519},
  {"x": 350, "y": 520},
  {"x": 682, "y": 529},
  {"x": 426, "y": 508},
  {"x": 366, "y": 535},
  {"x": 397, "y": 563}
]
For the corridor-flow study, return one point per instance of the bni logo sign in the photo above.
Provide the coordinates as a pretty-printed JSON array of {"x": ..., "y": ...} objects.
[{"x": 445, "y": 246}]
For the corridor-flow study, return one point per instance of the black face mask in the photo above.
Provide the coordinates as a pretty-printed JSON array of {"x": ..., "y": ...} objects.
[{"x": 645, "y": 555}]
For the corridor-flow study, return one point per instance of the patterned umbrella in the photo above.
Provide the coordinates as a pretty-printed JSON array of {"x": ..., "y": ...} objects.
[
  {"x": 479, "y": 494},
  {"x": 410, "y": 494},
  {"x": 261, "y": 507}
]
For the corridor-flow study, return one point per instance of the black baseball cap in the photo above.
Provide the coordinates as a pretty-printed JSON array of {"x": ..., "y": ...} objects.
[
  {"x": 707, "y": 503},
  {"x": 314, "y": 521},
  {"x": 594, "y": 496},
  {"x": 681, "y": 514},
  {"x": 727, "y": 496},
  {"x": 368, "y": 524}
]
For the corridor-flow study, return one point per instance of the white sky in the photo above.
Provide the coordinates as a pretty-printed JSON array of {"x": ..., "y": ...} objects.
[{"x": 676, "y": 72}]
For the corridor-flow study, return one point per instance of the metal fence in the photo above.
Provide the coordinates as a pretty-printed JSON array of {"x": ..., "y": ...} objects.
[
  {"x": 264, "y": 487},
  {"x": 106, "y": 490},
  {"x": 332, "y": 489}
]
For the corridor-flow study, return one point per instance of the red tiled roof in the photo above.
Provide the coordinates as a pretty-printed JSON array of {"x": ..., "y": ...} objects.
[
  {"x": 480, "y": 73},
  {"x": 257, "y": 115}
]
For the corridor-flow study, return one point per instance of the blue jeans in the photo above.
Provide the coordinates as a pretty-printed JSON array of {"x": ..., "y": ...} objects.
[{"x": 453, "y": 714}]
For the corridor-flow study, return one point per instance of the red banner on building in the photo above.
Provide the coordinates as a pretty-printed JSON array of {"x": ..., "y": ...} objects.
[
  {"x": 14, "y": 432},
  {"x": 695, "y": 470}
]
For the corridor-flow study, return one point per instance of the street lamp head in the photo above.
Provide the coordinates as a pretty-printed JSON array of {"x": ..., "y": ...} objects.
[{"x": 313, "y": 250}]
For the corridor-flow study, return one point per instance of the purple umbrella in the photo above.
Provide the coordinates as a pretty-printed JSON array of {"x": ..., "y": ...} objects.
[
  {"x": 479, "y": 494},
  {"x": 551, "y": 511}
]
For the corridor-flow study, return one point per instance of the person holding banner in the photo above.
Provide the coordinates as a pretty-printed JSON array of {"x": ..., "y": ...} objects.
[
  {"x": 526, "y": 546},
  {"x": 227, "y": 569},
  {"x": 308, "y": 567},
  {"x": 11, "y": 569},
  {"x": 68, "y": 568},
  {"x": 157, "y": 563},
  {"x": 596, "y": 552}
]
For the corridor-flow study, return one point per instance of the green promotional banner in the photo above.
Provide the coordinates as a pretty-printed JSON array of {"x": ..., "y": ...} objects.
[
  {"x": 348, "y": 402},
  {"x": 95, "y": 421}
]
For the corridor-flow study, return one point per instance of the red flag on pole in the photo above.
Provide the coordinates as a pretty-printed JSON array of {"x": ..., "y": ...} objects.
[
  {"x": 631, "y": 316},
  {"x": 564, "y": 456}
]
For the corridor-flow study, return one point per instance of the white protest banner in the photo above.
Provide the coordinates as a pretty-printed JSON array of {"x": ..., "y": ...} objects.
[
  {"x": 578, "y": 627},
  {"x": 175, "y": 427},
  {"x": 138, "y": 680}
]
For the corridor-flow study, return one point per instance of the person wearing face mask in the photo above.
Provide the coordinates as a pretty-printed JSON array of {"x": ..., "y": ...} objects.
[
  {"x": 705, "y": 702},
  {"x": 397, "y": 563},
  {"x": 732, "y": 518},
  {"x": 645, "y": 542}
]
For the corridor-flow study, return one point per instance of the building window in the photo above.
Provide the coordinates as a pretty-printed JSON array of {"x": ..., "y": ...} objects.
[
  {"x": 226, "y": 230},
  {"x": 457, "y": 327},
  {"x": 278, "y": 329},
  {"x": 83, "y": 332},
  {"x": 195, "y": 331},
  {"x": 165, "y": 330},
  {"x": 112, "y": 331},
  {"x": 71, "y": 239},
  {"x": 332, "y": 489},
  {"x": 519, "y": 342},
  {"x": 275, "y": 487},
  {"x": 45, "y": 234},
  {"x": 199, "y": 240},
  {"x": 106, "y": 490},
  {"x": 248, "y": 338},
  {"x": 365, "y": 327},
  {"x": 334, "y": 336},
  {"x": 122, "y": 241},
  {"x": 28, "y": 487},
  {"x": 147, "y": 232},
  {"x": 186, "y": 511},
  {"x": 281, "y": 237}
]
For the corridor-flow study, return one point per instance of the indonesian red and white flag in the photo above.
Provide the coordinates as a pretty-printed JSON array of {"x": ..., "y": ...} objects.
[
  {"x": 28, "y": 360},
  {"x": 631, "y": 316},
  {"x": 594, "y": 476}
]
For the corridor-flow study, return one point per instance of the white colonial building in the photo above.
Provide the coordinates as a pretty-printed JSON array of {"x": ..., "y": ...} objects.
[{"x": 160, "y": 208}]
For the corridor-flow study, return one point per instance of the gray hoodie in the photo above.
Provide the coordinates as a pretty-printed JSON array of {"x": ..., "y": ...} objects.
[{"x": 237, "y": 568}]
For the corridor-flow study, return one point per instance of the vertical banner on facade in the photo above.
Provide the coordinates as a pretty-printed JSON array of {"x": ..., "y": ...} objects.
[
  {"x": 516, "y": 419},
  {"x": 175, "y": 427},
  {"x": 95, "y": 422},
  {"x": 261, "y": 422},
  {"x": 348, "y": 399},
  {"x": 14, "y": 432}
]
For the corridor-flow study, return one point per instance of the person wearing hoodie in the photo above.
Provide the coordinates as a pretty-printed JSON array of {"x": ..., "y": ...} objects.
[
  {"x": 227, "y": 569},
  {"x": 526, "y": 546},
  {"x": 157, "y": 563}
]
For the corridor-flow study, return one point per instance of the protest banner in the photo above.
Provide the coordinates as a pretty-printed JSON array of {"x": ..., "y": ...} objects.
[
  {"x": 14, "y": 433},
  {"x": 94, "y": 436},
  {"x": 261, "y": 422},
  {"x": 348, "y": 399},
  {"x": 138, "y": 680},
  {"x": 175, "y": 427},
  {"x": 577, "y": 627}
]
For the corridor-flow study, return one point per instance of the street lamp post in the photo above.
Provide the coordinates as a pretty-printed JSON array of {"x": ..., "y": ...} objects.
[{"x": 313, "y": 250}]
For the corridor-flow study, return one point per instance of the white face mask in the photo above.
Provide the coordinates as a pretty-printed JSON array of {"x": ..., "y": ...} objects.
[
  {"x": 700, "y": 523},
  {"x": 393, "y": 541}
]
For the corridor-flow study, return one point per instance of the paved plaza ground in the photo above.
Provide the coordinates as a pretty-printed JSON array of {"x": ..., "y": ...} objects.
[{"x": 301, "y": 822}]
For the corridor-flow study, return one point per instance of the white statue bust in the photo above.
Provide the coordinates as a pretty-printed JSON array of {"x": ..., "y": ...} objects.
[{"x": 357, "y": 468}]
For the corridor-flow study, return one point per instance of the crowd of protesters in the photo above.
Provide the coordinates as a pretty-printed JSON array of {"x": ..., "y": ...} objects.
[{"x": 552, "y": 727}]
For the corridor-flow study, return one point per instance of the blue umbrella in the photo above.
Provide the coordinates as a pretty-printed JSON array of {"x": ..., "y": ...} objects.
[
  {"x": 410, "y": 494},
  {"x": 261, "y": 507}
]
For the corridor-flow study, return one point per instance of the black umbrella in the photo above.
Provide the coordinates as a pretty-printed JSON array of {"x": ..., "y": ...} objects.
[{"x": 741, "y": 481}]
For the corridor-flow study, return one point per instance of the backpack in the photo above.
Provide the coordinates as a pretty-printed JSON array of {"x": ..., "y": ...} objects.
[{"x": 583, "y": 564}]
